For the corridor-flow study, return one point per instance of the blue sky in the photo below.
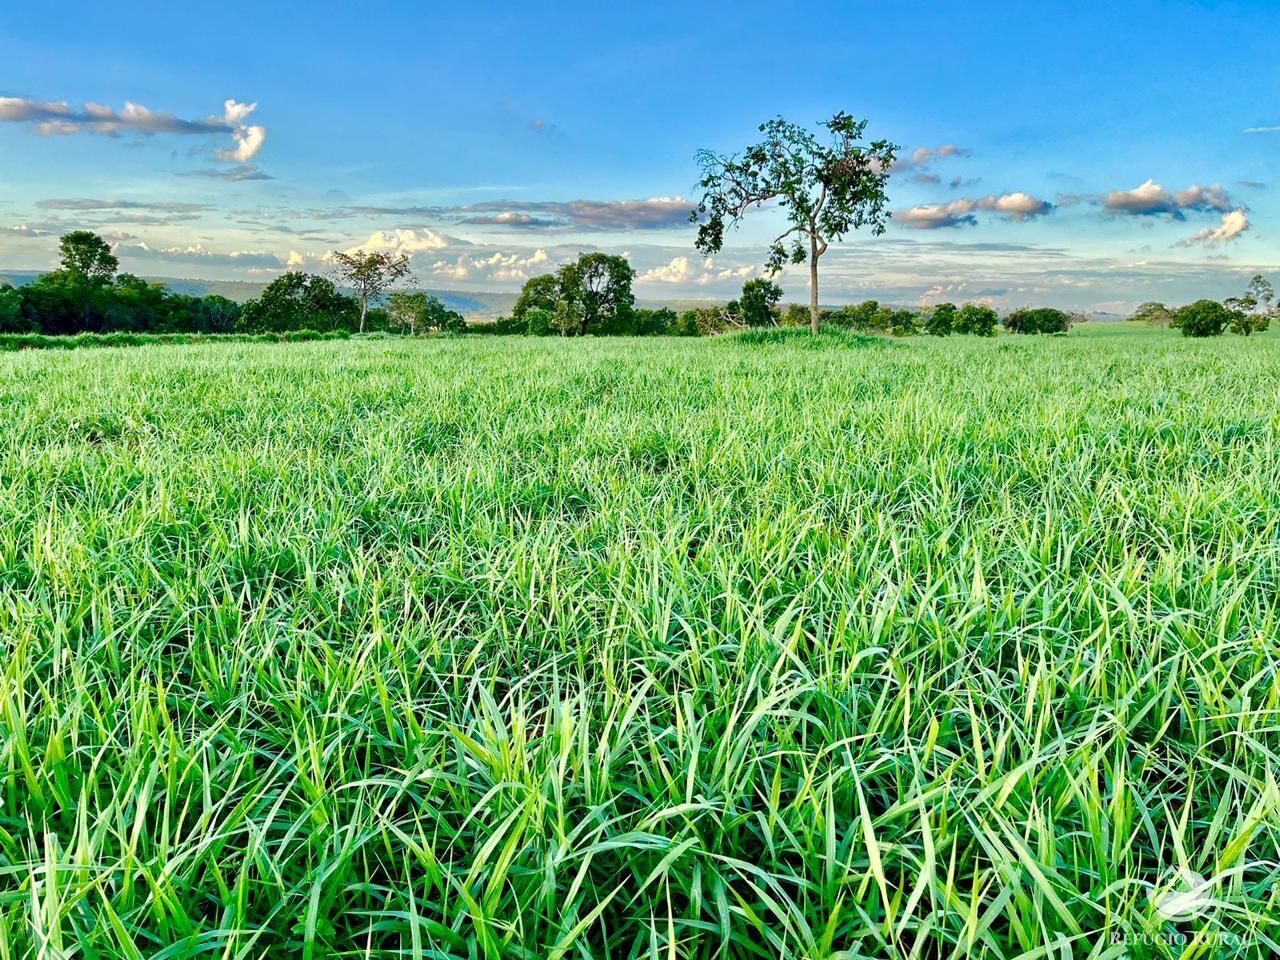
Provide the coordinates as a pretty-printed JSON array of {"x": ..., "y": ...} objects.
[{"x": 1083, "y": 155}]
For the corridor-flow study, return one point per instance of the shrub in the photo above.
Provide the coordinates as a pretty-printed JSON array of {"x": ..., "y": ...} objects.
[
  {"x": 977, "y": 319},
  {"x": 1037, "y": 320},
  {"x": 903, "y": 323},
  {"x": 941, "y": 319},
  {"x": 1204, "y": 318}
]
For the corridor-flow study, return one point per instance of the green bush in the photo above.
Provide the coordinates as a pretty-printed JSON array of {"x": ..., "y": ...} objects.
[
  {"x": 1204, "y": 318},
  {"x": 1038, "y": 320}
]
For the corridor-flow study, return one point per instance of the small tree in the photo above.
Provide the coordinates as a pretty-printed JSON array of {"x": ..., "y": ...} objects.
[
  {"x": 1204, "y": 318},
  {"x": 825, "y": 190},
  {"x": 1153, "y": 314},
  {"x": 758, "y": 306},
  {"x": 594, "y": 291},
  {"x": 370, "y": 274},
  {"x": 1251, "y": 312},
  {"x": 977, "y": 319},
  {"x": 941, "y": 319},
  {"x": 418, "y": 312}
]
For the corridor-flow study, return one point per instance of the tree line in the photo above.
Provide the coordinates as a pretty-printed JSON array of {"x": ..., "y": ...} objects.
[
  {"x": 87, "y": 294},
  {"x": 1249, "y": 313}
]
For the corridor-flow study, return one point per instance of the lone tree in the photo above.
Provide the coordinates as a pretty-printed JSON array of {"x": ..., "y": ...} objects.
[
  {"x": 825, "y": 190},
  {"x": 370, "y": 274}
]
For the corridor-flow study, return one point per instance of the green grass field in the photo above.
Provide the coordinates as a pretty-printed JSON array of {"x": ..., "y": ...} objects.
[{"x": 491, "y": 647}]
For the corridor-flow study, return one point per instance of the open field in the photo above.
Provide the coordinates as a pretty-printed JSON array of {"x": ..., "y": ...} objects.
[{"x": 488, "y": 647}]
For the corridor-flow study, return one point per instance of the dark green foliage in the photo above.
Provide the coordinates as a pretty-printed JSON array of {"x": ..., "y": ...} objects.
[
  {"x": 86, "y": 296},
  {"x": 862, "y": 316},
  {"x": 540, "y": 292},
  {"x": 11, "y": 342},
  {"x": 758, "y": 305},
  {"x": 1204, "y": 318},
  {"x": 653, "y": 323},
  {"x": 1037, "y": 320},
  {"x": 903, "y": 323},
  {"x": 296, "y": 301},
  {"x": 941, "y": 320},
  {"x": 977, "y": 319},
  {"x": 12, "y": 319},
  {"x": 595, "y": 295}
]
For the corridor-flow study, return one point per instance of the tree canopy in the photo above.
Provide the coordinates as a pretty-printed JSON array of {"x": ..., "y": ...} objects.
[{"x": 825, "y": 190}]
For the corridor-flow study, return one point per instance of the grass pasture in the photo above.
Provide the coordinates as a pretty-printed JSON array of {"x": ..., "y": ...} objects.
[{"x": 743, "y": 647}]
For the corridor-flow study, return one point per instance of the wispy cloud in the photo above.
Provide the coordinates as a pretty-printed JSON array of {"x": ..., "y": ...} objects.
[
  {"x": 655, "y": 213},
  {"x": 85, "y": 203},
  {"x": 240, "y": 172},
  {"x": 1262, "y": 130}
]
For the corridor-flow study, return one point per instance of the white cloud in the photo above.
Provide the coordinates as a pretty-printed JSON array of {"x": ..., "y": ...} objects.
[
  {"x": 1233, "y": 224},
  {"x": 677, "y": 271},
  {"x": 406, "y": 241},
  {"x": 249, "y": 139}
]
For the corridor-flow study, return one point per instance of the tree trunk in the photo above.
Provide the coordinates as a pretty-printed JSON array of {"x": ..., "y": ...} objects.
[
  {"x": 364, "y": 308},
  {"x": 813, "y": 283}
]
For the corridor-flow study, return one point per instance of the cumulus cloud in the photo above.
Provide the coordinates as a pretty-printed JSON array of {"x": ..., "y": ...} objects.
[
  {"x": 679, "y": 270},
  {"x": 406, "y": 241},
  {"x": 1234, "y": 223},
  {"x": 1151, "y": 199},
  {"x": 53, "y": 118},
  {"x": 1016, "y": 206}
]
